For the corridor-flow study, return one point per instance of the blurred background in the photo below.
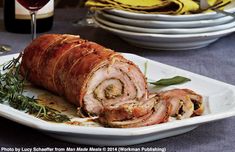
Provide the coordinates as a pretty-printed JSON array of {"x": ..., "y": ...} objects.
[{"x": 59, "y": 3}]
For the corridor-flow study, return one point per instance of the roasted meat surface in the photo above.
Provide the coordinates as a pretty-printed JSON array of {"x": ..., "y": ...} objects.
[{"x": 102, "y": 82}]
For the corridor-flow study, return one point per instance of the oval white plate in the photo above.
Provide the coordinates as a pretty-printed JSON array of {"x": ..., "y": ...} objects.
[
  {"x": 166, "y": 24},
  {"x": 190, "y": 17},
  {"x": 165, "y": 30},
  {"x": 170, "y": 41},
  {"x": 218, "y": 97}
]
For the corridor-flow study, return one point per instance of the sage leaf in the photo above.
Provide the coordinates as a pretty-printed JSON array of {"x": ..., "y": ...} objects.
[
  {"x": 145, "y": 68},
  {"x": 171, "y": 81}
]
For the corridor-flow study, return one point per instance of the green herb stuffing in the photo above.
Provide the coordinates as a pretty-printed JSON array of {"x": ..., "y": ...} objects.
[
  {"x": 171, "y": 81},
  {"x": 11, "y": 92}
]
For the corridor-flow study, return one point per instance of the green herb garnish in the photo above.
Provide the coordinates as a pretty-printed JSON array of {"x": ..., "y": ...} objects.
[
  {"x": 11, "y": 92},
  {"x": 145, "y": 68},
  {"x": 170, "y": 81}
]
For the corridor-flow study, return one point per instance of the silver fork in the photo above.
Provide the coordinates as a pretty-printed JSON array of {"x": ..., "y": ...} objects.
[
  {"x": 204, "y": 6},
  {"x": 224, "y": 12}
]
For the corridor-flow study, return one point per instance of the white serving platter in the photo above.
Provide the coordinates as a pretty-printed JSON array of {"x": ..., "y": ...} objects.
[
  {"x": 167, "y": 41},
  {"x": 166, "y": 24},
  {"x": 164, "y": 30},
  {"x": 218, "y": 97},
  {"x": 190, "y": 17}
]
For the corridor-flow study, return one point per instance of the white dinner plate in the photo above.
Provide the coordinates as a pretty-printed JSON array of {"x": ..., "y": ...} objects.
[
  {"x": 164, "y": 30},
  {"x": 190, "y": 17},
  {"x": 218, "y": 98},
  {"x": 167, "y": 41},
  {"x": 166, "y": 24}
]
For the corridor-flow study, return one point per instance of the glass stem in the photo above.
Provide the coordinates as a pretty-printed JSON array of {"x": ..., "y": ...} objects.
[{"x": 33, "y": 24}]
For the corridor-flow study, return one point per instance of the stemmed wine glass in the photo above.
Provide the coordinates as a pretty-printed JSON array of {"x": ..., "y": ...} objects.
[
  {"x": 87, "y": 19},
  {"x": 33, "y": 6},
  {"x": 4, "y": 48}
]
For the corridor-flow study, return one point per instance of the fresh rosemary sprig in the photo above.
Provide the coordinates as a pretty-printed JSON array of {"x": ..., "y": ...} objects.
[{"x": 11, "y": 92}]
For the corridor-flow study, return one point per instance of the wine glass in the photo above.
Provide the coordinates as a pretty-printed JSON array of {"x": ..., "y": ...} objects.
[
  {"x": 87, "y": 19},
  {"x": 33, "y": 6},
  {"x": 4, "y": 48}
]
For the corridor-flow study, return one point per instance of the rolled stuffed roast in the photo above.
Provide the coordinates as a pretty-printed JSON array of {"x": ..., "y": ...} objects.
[{"x": 100, "y": 81}]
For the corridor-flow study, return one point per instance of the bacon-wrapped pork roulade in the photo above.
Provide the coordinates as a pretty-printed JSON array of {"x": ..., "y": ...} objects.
[
  {"x": 184, "y": 103},
  {"x": 102, "y": 82},
  {"x": 153, "y": 111},
  {"x": 87, "y": 74}
]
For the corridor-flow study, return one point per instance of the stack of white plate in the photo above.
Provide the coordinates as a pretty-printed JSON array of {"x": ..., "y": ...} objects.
[{"x": 167, "y": 32}]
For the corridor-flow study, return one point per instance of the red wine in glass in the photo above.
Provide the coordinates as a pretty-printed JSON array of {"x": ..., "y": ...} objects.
[{"x": 33, "y": 6}]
